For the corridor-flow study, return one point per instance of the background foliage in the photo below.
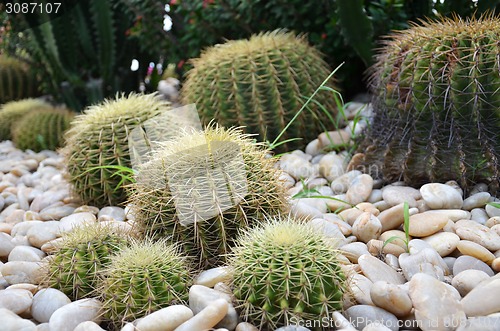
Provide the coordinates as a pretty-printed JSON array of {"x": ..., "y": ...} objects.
[{"x": 345, "y": 31}]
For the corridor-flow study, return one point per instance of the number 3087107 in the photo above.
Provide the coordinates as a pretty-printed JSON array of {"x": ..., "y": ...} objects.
[{"x": 32, "y": 7}]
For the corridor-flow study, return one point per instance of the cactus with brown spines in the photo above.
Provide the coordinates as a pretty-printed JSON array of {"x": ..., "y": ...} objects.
[
  {"x": 260, "y": 84},
  {"x": 208, "y": 191},
  {"x": 436, "y": 93}
]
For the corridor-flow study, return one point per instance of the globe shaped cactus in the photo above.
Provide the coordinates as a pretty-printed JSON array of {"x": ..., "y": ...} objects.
[
  {"x": 260, "y": 84},
  {"x": 436, "y": 93}
]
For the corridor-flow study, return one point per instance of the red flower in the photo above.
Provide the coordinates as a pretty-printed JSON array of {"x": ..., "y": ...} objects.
[
  {"x": 323, "y": 36},
  {"x": 180, "y": 64},
  {"x": 173, "y": 2}
]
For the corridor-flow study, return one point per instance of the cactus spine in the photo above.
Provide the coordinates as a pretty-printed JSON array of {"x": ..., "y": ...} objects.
[
  {"x": 437, "y": 101},
  {"x": 260, "y": 84},
  {"x": 285, "y": 270}
]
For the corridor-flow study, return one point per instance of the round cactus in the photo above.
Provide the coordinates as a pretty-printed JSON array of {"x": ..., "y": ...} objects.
[
  {"x": 80, "y": 257},
  {"x": 16, "y": 81},
  {"x": 202, "y": 187},
  {"x": 284, "y": 270},
  {"x": 98, "y": 140},
  {"x": 42, "y": 129},
  {"x": 437, "y": 101},
  {"x": 261, "y": 84},
  {"x": 13, "y": 111},
  {"x": 142, "y": 278}
]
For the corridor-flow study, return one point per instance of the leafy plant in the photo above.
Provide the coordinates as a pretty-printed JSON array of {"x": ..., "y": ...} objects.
[{"x": 83, "y": 55}]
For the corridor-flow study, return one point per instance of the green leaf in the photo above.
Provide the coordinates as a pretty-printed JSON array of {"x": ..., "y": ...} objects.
[
  {"x": 356, "y": 28},
  {"x": 494, "y": 204},
  {"x": 406, "y": 224}
]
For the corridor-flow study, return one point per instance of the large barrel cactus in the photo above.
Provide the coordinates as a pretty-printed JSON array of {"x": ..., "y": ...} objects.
[
  {"x": 261, "y": 83},
  {"x": 13, "y": 111},
  {"x": 16, "y": 80},
  {"x": 437, "y": 105},
  {"x": 202, "y": 187}
]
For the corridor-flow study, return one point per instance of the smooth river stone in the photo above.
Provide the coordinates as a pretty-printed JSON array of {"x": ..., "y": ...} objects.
[
  {"x": 360, "y": 189},
  {"x": 392, "y": 218},
  {"x": 426, "y": 261},
  {"x": 492, "y": 211},
  {"x": 338, "y": 137},
  {"x": 441, "y": 196},
  {"x": 394, "y": 195},
  {"x": 392, "y": 298},
  {"x": 366, "y": 227},
  {"x": 12, "y": 322},
  {"x": 207, "y": 318},
  {"x": 6, "y": 245},
  {"x": 376, "y": 247},
  {"x": 479, "y": 215},
  {"x": 117, "y": 213},
  {"x": 376, "y": 270},
  {"x": 201, "y": 297},
  {"x": 437, "y": 305},
  {"x": 69, "y": 316},
  {"x": 212, "y": 276},
  {"x": 166, "y": 319},
  {"x": 360, "y": 289},
  {"x": 341, "y": 184},
  {"x": 466, "y": 262},
  {"x": 245, "y": 326},
  {"x": 467, "y": 247},
  {"x": 26, "y": 253},
  {"x": 426, "y": 223},
  {"x": 466, "y": 280},
  {"x": 16, "y": 272},
  {"x": 39, "y": 234},
  {"x": 89, "y": 326},
  {"x": 331, "y": 231},
  {"x": 362, "y": 315},
  {"x": 477, "y": 200},
  {"x": 483, "y": 299},
  {"x": 331, "y": 166},
  {"x": 354, "y": 250},
  {"x": 71, "y": 221},
  {"x": 302, "y": 210},
  {"x": 443, "y": 242},
  {"x": 401, "y": 241},
  {"x": 480, "y": 234},
  {"x": 45, "y": 302},
  {"x": 17, "y": 301}
]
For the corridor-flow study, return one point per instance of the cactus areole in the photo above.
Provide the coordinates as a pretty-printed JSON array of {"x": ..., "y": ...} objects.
[{"x": 436, "y": 93}]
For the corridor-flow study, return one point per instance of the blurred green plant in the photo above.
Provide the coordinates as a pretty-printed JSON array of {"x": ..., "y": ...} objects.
[
  {"x": 343, "y": 30},
  {"x": 82, "y": 56}
]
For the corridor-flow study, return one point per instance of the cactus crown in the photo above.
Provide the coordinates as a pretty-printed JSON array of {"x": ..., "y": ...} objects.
[
  {"x": 284, "y": 270},
  {"x": 437, "y": 95}
]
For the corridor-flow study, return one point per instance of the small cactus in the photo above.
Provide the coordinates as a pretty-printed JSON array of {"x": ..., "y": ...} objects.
[
  {"x": 13, "y": 111},
  {"x": 81, "y": 256},
  {"x": 260, "y": 84},
  {"x": 98, "y": 140},
  {"x": 42, "y": 129},
  {"x": 143, "y": 278},
  {"x": 285, "y": 271},
  {"x": 213, "y": 199},
  {"x": 16, "y": 80},
  {"x": 437, "y": 101}
]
